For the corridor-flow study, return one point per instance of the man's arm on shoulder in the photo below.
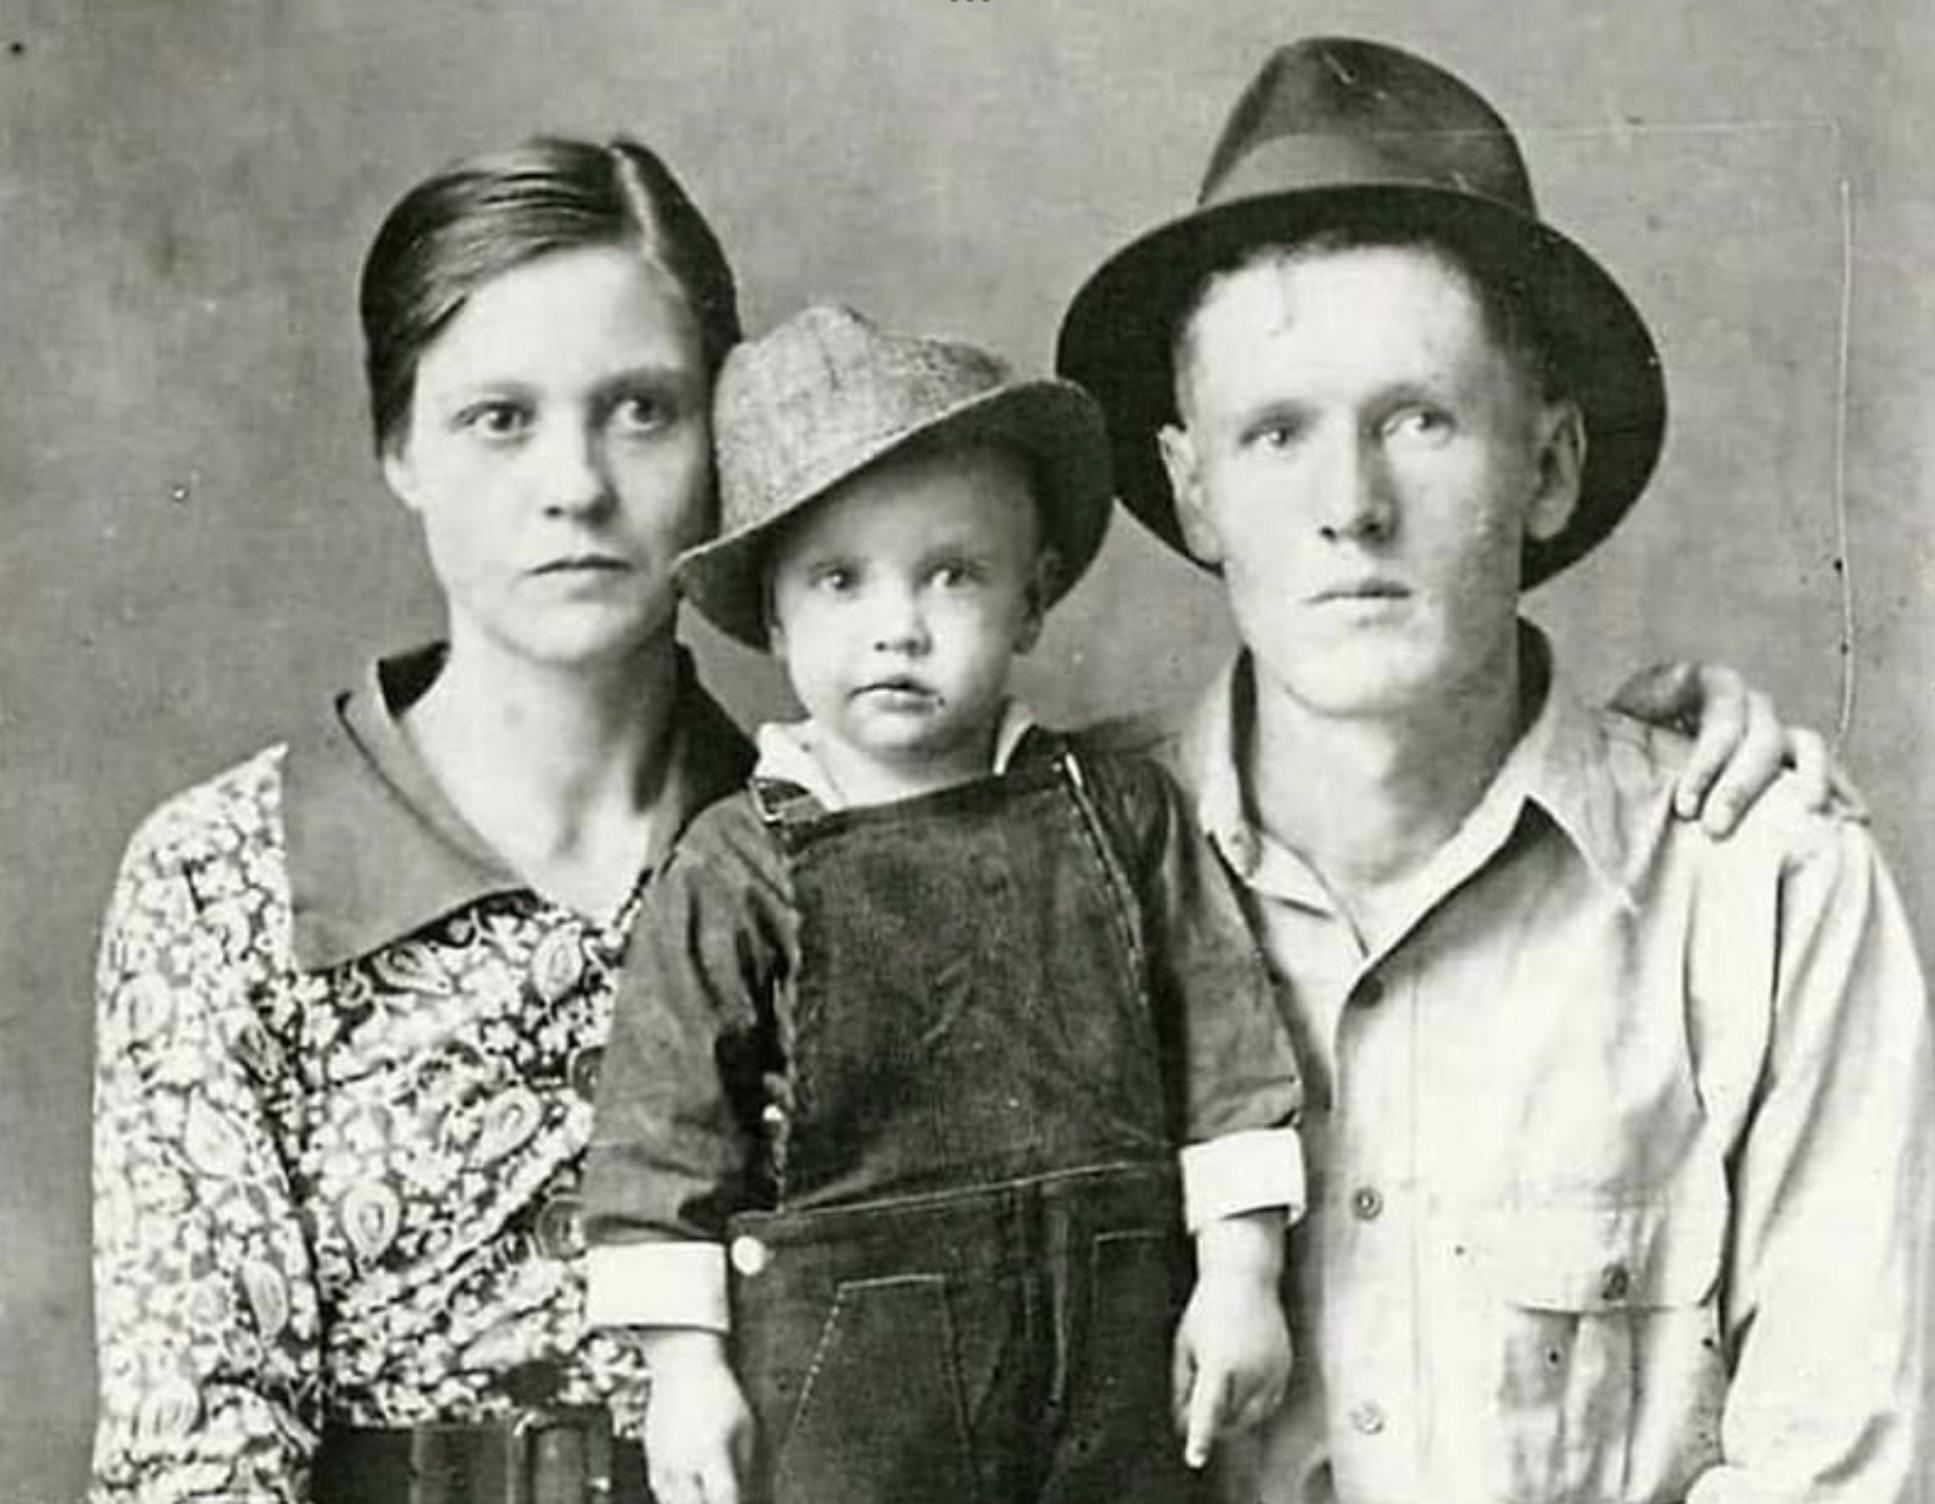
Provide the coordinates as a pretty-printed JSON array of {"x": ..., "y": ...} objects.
[{"x": 1739, "y": 744}]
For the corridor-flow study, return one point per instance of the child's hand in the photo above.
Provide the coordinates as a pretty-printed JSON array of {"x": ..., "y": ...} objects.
[
  {"x": 698, "y": 1429},
  {"x": 1232, "y": 1354}
]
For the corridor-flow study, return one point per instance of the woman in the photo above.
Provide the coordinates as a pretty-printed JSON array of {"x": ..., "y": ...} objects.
[{"x": 353, "y": 992}]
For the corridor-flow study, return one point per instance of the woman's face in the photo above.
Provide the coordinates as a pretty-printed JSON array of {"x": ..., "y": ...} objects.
[{"x": 559, "y": 453}]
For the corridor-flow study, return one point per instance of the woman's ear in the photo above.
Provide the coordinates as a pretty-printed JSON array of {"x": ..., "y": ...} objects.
[
  {"x": 398, "y": 473},
  {"x": 1562, "y": 463},
  {"x": 1042, "y": 585}
]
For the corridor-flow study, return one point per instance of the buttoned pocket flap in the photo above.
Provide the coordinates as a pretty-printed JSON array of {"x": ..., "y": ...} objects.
[{"x": 1635, "y": 1255}]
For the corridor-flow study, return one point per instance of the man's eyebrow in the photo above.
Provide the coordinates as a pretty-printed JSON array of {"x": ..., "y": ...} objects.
[{"x": 1412, "y": 389}]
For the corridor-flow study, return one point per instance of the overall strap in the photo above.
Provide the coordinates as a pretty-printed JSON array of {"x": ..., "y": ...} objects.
[
  {"x": 782, "y": 805},
  {"x": 1077, "y": 778}
]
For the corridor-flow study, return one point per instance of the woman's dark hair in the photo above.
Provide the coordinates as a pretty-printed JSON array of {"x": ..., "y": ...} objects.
[{"x": 453, "y": 232}]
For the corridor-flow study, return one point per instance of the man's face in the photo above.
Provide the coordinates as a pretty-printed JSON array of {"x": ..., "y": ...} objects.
[{"x": 1364, "y": 459}]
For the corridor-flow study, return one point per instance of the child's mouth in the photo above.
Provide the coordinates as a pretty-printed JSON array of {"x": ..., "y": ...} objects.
[{"x": 897, "y": 694}]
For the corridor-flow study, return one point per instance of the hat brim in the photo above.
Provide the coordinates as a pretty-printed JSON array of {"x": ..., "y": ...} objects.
[
  {"x": 1054, "y": 422},
  {"x": 1117, "y": 336}
]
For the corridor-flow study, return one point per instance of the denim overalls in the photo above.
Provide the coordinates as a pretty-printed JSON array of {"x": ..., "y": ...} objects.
[{"x": 968, "y": 1285}]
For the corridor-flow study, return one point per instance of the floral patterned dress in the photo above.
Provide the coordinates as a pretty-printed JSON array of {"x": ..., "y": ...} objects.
[{"x": 346, "y": 1063}]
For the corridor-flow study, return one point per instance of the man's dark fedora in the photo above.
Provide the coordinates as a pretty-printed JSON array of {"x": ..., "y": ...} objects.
[{"x": 1337, "y": 134}]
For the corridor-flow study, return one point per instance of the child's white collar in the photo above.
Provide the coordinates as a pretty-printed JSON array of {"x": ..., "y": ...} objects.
[{"x": 787, "y": 752}]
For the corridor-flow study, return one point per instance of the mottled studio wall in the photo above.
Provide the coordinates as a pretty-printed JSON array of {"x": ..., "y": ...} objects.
[{"x": 196, "y": 548}]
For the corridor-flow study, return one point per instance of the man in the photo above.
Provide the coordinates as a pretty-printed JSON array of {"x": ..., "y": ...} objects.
[{"x": 1620, "y": 1135}]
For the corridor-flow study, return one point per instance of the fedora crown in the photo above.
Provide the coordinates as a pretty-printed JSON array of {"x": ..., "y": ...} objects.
[{"x": 1333, "y": 111}]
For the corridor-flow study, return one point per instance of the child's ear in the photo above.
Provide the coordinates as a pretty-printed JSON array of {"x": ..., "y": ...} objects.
[
  {"x": 775, "y": 629},
  {"x": 1042, "y": 584}
]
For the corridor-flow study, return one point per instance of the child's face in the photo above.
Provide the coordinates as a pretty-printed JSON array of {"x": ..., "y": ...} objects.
[{"x": 901, "y": 599}]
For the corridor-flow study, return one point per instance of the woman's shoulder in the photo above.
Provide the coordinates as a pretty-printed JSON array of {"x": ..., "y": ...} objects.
[{"x": 230, "y": 817}]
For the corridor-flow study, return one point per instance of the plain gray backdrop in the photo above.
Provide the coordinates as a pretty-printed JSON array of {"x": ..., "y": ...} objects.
[{"x": 197, "y": 548}]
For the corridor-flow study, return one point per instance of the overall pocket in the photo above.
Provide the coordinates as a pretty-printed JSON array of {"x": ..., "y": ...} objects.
[
  {"x": 1610, "y": 1376},
  {"x": 879, "y": 1416}
]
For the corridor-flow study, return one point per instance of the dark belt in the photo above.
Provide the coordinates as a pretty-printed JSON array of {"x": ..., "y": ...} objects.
[{"x": 536, "y": 1456}]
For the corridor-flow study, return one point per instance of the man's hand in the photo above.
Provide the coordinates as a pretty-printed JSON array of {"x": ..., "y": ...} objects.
[
  {"x": 1232, "y": 1351},
  {"x": 698, "y": 1429},
  {"x": 1739, "y": 748}
]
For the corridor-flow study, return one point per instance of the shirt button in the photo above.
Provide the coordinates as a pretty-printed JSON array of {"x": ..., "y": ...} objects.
[
  {"x": 1243, "y": 848},
  {"x": 1367, "y": 1202},
  {"x": 1615, "y": 1283},
  {"x": 749, "y": 1256},
  {"x": 1367, "y": 1419},
  {"x": 1370, "y": 991}
]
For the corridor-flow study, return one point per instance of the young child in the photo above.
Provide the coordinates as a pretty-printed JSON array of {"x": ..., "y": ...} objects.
[{"x": 919, "y": 1027}]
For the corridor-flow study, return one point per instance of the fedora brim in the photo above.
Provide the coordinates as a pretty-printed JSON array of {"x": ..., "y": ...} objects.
[
  {"x": 1053, "y": 422},
  {"x": 1117, "y": 336}
]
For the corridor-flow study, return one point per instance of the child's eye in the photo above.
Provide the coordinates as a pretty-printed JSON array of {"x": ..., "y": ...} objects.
[
  {"x": 955, "y": 573},
  {"x": 496, "y": 420},
  {"x": 833, "y": 579}
]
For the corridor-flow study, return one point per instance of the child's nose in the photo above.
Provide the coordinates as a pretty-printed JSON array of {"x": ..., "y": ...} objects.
[{"x": 899, "y": 623}]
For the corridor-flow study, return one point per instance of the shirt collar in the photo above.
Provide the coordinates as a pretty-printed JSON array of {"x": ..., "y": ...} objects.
[
  {"x": 788, "y": 753},
  {"x": 1561, "y": 765},
  {"x": 375, "y": 851}
]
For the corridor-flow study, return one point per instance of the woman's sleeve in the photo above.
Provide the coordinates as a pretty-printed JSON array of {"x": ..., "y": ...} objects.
[
  {"x": 675, "y": 1146},
  {"x": 205, "y": 1306}
]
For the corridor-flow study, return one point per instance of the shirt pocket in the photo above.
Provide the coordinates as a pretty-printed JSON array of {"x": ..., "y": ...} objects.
[{"x": 1610, "y": 1376}]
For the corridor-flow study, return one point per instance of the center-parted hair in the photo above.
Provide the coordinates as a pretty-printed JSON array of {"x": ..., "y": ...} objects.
[{"x": 457, "y": 230}]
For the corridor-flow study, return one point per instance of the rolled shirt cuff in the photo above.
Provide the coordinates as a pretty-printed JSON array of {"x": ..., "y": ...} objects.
[
  {"x": 1243, "y": 1172},
  {"x": 657, "y": 1284}
]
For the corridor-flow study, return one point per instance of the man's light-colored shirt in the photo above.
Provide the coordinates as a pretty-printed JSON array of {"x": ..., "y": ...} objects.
[{"x": 1619, "y": 1145}]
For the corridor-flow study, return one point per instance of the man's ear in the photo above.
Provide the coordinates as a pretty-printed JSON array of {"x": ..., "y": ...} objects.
[
  {"x": 1042, "y": 586},
  {"x": 1178, "y": 448},
  {"x": 1561, "y": 462}
]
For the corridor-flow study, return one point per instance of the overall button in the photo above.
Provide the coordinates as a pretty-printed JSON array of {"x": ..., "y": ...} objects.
[
  {"x": 1367, "y": 1202},
  {"x": 557, "y": 965},
  {"x": 1367, "y": 1419},
  {"x": 1370, "y": 991},
  {"x": 1615, "y": 1283},
  {"x": 773, "y": 1116},
  {"x": 749, "y": 1256}
]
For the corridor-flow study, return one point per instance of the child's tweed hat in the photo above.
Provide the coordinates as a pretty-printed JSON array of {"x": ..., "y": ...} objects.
[{"x": 827, "y": 393}]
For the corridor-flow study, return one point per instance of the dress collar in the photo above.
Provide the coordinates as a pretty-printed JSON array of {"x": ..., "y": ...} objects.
[{"x": 376, "y": 851}]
